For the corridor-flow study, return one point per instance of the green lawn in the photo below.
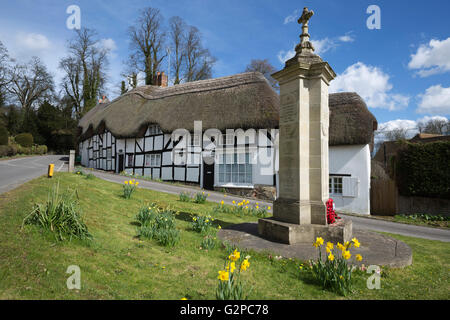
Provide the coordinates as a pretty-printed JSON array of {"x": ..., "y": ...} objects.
[{"x": 117, "y": 265}]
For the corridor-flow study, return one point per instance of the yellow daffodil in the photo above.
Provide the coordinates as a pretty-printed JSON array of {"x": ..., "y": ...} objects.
[
  {"x": 235, "y": 255},
  {"x": 347, "y": 244},
  {"x": 206, "y": 220},
  {"x": 244, "y": 265},
  {"x": 358, "y": 257},
  {"x": 234, "y": 202},
  {"x": 268, "y": 208},
  {"x": 341, "y": 277},
  {"x": 328, "y": 249},
  {"x": 246, "y": 207},
  {"x": 319, "y": 241},
  {"x": 356, "y": 242},
  {"x": 340, "y": 246},
  {"x": 224, "y": 195},
  {"x": 126, "y": 182},
  {"x": 223, "y": 275},
  {"x": 257, "y": 207},
  {"x": 331, "y": 257},
  {"x": 219, "y": 227},
  {"x": 232, "y": 267},
  {"x": 330, "y": 245},
  {"x": 183, "y": 299},
  {"x": 346, "y": 255},
  {"x": 137, "y": 183},
  {"x": 221, "y": 202}
]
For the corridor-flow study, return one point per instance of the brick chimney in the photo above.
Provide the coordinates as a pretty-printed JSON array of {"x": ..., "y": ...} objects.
[{"x": 160, "y": 79}]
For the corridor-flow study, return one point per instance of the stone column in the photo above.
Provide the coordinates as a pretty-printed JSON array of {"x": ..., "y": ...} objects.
[
  {"x": 299, "y": 212},
  {"x": 304, "y": 121}
]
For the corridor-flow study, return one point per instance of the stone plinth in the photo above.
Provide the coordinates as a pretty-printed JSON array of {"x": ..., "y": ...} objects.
[{"x": 291, "y": 233}]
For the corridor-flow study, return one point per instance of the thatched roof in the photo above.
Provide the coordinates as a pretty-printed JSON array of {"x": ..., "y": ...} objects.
[
  {"x": 350, "y": 120},
  {"x": 244, "y": 101}
]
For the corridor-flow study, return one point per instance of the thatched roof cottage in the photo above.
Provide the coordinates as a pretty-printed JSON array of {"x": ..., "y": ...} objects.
[{"x": 156, "y": 131}]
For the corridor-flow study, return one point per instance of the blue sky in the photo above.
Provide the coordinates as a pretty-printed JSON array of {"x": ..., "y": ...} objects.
[{"x": 401, "y": 70}]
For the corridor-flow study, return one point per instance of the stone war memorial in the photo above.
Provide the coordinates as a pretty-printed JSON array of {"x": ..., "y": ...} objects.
[{"x": 299, "y": 213}]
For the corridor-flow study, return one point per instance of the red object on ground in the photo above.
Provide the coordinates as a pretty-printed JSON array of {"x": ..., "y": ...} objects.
[{"x": 331, "y": 214}]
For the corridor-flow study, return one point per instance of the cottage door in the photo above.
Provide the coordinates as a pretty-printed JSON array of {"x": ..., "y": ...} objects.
[
  {"x": 208, "y": 176},
  {"x": 120, "y": 163}
]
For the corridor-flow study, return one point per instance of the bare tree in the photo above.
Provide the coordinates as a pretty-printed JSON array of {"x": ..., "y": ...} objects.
[
  {"x": 31, "y": 83},
  {"x": 396, "y": 134},
  {"x": 4, "y": 73},
  {"x": 178, "y": 45},
  {"x": 436, "y": 126},
  {"x": 85, "y": 71},
  {"x": 265, "y": 68},
  {"x": 147, "y": 42},
  {"x": 199, "y": 61}
]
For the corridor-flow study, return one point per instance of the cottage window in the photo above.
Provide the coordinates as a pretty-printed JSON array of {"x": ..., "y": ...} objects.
[
  {"x": 235, "y": 169},
  {"x": 228, "y": 139},
  {"x": 335, "y": 185},
  {"x": 153, "y": 160},
  {"x": 130, "y": 161}
]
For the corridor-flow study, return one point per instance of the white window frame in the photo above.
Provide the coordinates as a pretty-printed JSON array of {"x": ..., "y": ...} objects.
[
  {"x": 228, "y": 139},
  {"x": 335, "y": 185},
  {"x": 235, "y": 169},
  {"x": 154, "y": 160}
]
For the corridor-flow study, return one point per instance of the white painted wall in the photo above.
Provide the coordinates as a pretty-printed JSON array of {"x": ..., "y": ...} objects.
[{"x": 353, "y": 160}]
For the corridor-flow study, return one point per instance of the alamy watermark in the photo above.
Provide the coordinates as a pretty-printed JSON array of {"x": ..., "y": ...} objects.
[
  {"x": 74, "y": 20},
  {"x": 374, "y": 281},
  {"x": 74, "y": 281},
  {"x": 374, "y": 20}
]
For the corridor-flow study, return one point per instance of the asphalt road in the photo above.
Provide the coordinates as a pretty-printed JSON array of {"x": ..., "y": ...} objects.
[
  {"x": 362, "y": 223},
  {"x": 15, "y": 172}
]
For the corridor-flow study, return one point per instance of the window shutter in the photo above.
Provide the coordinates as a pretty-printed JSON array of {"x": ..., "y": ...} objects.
[{"x": 350, "y": 187}]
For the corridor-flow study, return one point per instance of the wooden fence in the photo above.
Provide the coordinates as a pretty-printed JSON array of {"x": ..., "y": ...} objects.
[{"x": 383, "y": 197}]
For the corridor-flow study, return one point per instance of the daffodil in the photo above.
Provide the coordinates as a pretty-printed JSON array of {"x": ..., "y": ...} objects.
[
  {"x": 245, "y": 264},
  {"x": 330, "y": 245},
  {"x": 319, "y": 241},
  {"x": 183, "y": 299},
  {"x": 331, "y": 257},
  {"x": 219, "y": 227},
  {"x": 268, "y": 208},
  {"x": 358, "y": 257},
  {"x": 221, "y": 202},
  {"x": 346, "y": 255},
  {"x": 340, "y": 246},
  {"x": 126, "y": 182},
  {"x": 232, "y": 267},
  {"x": 223, "y": 275},
  {"x": 234, "y": 202},
  {"x": 235, "y": 255},
  {"x": 356, "y": 242},
  {"x": 137, "y": 183}
]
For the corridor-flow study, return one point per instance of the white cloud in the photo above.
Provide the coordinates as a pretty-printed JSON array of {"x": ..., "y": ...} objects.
[
  {"x": 431, "y": 58},
  {"x": 346, "y": 38},
  {"x": 108, "y": 44},
  {"x": 323, "y": 45},
  {"x": 372, "y": 84},
  {"x": 32, "y": 41},
  {"x": 292, "y": 17},
  {"x": 283, "y": 56},
  {"x": 435, "y": 100}
]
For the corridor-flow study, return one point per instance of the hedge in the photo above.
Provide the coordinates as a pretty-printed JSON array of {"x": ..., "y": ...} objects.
[
  {"x": 422, "y": 169},
  {"x": 25, "y": 139},
  {"x": 12, "y": 150},
  {"x": 3, "y": 136}
]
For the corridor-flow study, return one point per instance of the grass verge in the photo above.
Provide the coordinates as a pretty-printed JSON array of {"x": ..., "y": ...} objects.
[{"x": 118, "y": 265}]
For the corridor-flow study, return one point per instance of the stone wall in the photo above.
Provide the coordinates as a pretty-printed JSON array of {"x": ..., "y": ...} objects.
[{"x": 260, "y": 192}]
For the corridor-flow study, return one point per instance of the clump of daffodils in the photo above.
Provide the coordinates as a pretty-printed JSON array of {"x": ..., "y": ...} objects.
[
  {"x": 129, "y": 186},
  {"x": 230, "y": 285},
  {"x": 335, "y": 273},
  {"x": 202, "y": 224},
  {"x": 244, "y": 207}
]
